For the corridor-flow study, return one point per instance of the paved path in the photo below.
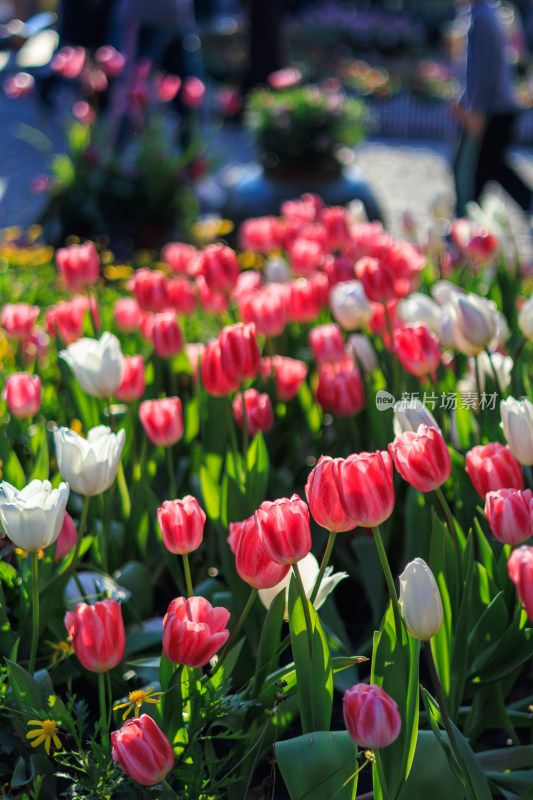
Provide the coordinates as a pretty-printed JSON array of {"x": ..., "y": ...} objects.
[{"x": 402, "y": 174}]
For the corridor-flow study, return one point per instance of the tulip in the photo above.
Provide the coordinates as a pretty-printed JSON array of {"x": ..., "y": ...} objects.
[
  {"x": 371, "y": 716},
  {"x": 309, "y": 570},
  {"x": 133, "y": 381},
  {"x": 18, "y": 320},
  {"x": 350, "y": 305},
  {"x": 417, "y": 349},
  {"x": 409, "y": 415},
  {"x": 364, "y": 353},
  {"x": 67, "y": 539},
  {"x": 520, "y": 568},
  {"x": 491, "y": 467},
  {"x": 239, "y": 352},
  {"x": 323, "y": 492},
  {"x": 142, "y": 750},
  {"x": 149, "y": 287},
  {"x": 162, "y": 420},
  {"x": 182, "y": 524},
  {"x": 32, "y": 517},
  {"x": 517, "y": 424},
  {"x": 252, "y": 563},
  {"x": 525, "y": 319},
  {"x": 79, "y": 265},
  {"x": 220, "y": 268},
  {"x": 193, "y": 631},
  {"x": 215, "y": 379},
  {"x": 167, "y": 334},
  {"x": 340, "y": 388},
  {"x": 127, "y": 314},
  {"x": 509, "y": 514},
  {"x": 366, "y": 489},
  {"x": 420, "y": 308},
  {"x": 327, "y": 342},
  {"x": 284, "y": 529},
  {"x": 22, "y": 392},
  {"x": 97, "y": 634},
  {"x": 89, "y": 465},
  {"x": 259, "y": 413},
  {"x": 422, "y": 458},
  {"x": 420, "y": 600},
  {"x": 96, "y": 364},
  {"x": 289, "y": 374}
]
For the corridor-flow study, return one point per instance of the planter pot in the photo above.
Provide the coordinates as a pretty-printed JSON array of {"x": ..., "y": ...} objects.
[{"x": 248, "y": 190}]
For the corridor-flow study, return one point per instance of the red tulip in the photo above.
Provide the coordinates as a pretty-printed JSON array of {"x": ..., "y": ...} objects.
[
  {"x": 162, "y": 420},
  {"x": 284, "y": 529},
  {"x": 327, "y": 342},
  {"x": 340, "y": 388},
  {"x": 422, "y": 458},
  {"x": 193, "y": 631},
  {"x": 167, "y": 334},
  {"x": 216, "y": 381},
  {"x": 492, "y": 467},
  {"x": 259, "y": 414},
  {"x": 371, "y": 716},
  {"x": 239, "y": 352},
  {"x": 23, "y": 392},
  {"x": 366, "y": 488},
  {"x": 251, "y": 560},
  {"x": 182, "y": 524},
  {"x": 520, "y": 568},
  {"x": 220, "y": 268},
  {"x": 142, "y": 750},
  {"x": 323, "y": 495},
  {"x": 509, "y": 513},
  {"x": 133, "y": 381},
  {"x": 79, "y": 265},
  {"x": 97, "y": 634},
  {"x": 18, "y": 320},
  {"x": 417, "y": 349}
]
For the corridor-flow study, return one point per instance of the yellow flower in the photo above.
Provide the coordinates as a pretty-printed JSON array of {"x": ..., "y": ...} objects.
[
  {"x": 137, "y": 698},
  {"x": 47, "y": 732}
]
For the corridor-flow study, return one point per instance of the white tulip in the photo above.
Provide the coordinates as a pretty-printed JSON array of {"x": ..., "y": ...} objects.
[
  {"x": 517, "y": 424},
  {"x": 32, "y": 517},
  {"x": 96, "y": 364},
  {"x": 364, "y": 352},
  {"x": 418, "y": 307},
  {"x": 349, "y": 305},
  {"x": 525, "y": 319},
  {"x": 420, "y": 600},
  {"x": 309, "y": 570},
  {"x": 409, "y": 414},
  {"x": 90, "y": 465}
]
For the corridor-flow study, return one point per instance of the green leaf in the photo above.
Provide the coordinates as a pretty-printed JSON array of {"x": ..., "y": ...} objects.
[{"x": 319, "y": 765}]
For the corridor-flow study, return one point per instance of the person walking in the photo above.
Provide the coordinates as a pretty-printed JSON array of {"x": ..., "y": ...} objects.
[{"x": 487, "y": 112}]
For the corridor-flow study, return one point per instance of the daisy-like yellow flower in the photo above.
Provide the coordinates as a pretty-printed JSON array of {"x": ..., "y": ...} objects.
[
  {"x": 137, "y": 698},
  {"x": 46, "y": 732}
]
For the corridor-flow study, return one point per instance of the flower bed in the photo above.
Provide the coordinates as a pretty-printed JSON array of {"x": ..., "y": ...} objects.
[{"x": 215, "y": 466}]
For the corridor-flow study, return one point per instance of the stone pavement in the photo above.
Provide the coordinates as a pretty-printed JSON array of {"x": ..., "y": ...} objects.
[{"x": 404, "y": 175}]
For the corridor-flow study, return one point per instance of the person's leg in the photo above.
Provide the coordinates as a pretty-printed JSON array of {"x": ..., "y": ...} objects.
[{"x": 493, "y": 166}]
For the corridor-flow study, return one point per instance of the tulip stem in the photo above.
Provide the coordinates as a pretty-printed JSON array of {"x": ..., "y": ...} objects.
[
  {"x": 34, "y": 556},
  {"x": 445, "y": 717},
  {"x": 323, "y": 565},
  {"x": 171, "y": 476},
  {"x": 390, "y": 583},
  {"x": 236, "y": 629},
  {"x": 103, "y": 705},
  {"x": 450, "y": 522},
  {"x": 305, "y": 603},
  {"x": 187, "y": 571}
]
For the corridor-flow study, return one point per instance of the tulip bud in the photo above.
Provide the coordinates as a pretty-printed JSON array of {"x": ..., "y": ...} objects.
[
  {"x": 420, "y": 600},
  {"x": 517, "y": 424},
  {"x": 22, "y": 393},
  {"x": 491, "y": 467},
  {"x": 509, "y": 514},
  {"x": 193, "y": 631},
  {"x": 371, "y": 716},
  {"x": 162, "y": 420},
  {"x": 32, "y": 517},
  {"x": 350, "y": 305},
  {"x": 284, "y": 529},
  {"x": 520, "y": 568},
  {"x": 96, "y": 364},
  {"x": 97, "y": 634},
  {"x": 142, "y": 750},
  {"x": 422, "y": 458},
  {"x": 182, "y": 524},
  {"x": 410, "y": 414}
]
